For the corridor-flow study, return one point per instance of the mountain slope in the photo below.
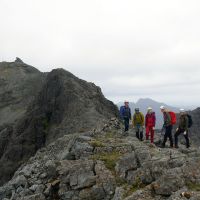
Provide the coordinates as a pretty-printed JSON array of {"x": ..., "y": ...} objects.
[
  {"x": 57, "y": 105},
  {"x": 106, "y": 165}
]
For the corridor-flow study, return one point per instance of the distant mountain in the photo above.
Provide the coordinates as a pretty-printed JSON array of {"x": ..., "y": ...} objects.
[{"x": 143, "y": 104}]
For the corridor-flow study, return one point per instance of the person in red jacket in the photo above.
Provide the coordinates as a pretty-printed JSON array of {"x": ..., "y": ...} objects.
[{"x": 150, "y": 122}]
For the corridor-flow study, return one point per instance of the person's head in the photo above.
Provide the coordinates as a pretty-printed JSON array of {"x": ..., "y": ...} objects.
[
  {"x": 182, "y": 111},
  {"x": 162, "y": 109},
  {"x": 149, "y": 110},
  {"x": 126, "y": 103},
  {"x": 137, "y": 110}
]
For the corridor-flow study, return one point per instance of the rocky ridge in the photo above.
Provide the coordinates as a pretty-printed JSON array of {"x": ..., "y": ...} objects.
[
  {"x": 37, "y": 108},
  {"x": 105, "y": 164}
]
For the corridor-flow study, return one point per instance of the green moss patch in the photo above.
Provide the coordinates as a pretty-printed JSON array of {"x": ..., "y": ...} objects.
[
  {"x": 193, "y": 186},
  {"x": 97, "y": 143},
  {"x": 109, "y": 158}
]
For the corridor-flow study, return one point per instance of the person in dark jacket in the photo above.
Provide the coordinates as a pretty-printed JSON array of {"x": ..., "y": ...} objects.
[
  {"x": 150, "y": 122},
  {"x": 167, "y": 126},
  {"x": 182, "y": 128},
  {"x": 125, "y": 114}
]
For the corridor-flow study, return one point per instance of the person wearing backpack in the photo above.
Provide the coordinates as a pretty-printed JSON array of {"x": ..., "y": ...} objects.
[
  {"x": 138, "y": 123},
  {"x": 184, "y": 124},
  {"x": 169, "y": 120},
  {"x": 125, "y": 114},
  {"x": 150, "y": 122}
]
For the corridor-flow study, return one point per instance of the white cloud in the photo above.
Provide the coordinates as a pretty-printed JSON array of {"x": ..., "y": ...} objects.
[{"x": 130, "y": 48}]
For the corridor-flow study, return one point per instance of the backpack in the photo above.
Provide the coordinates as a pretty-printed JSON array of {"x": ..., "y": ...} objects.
[
  {"x": 190, "y": 121},
  {"x": 173, "y": 118},
  {"x": 140, "y": 116}
]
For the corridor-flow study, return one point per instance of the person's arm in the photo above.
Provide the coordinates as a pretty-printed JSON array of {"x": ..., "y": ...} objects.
[
  {"x": 186, "y": 123},
  {"x": 168, "y": 119},
  {"x": 121, "y": 112},
  {"x": 129, "y": 113},
  {"x": 142, "y": 119},
  {"x": 133, "y": 120},
  {"x": 146, "y": 121}
]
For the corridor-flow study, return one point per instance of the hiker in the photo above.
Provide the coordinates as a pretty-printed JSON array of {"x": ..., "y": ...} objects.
[
  {"x": 182, "y": 128},
  {"x": 150, "y": 122},
  {"x": 168, "y": 125},
  {"x": 125, "y": 114},
  {"x": 138, "y": 123}
]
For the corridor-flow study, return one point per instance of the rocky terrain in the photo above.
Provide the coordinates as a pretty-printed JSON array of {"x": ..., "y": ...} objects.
[
  {"x": 194, "y": 131},
  {"x": 37, "y": 108},
  {"x": 61, "y": 139},
  {"x": 105, "y": 164}
]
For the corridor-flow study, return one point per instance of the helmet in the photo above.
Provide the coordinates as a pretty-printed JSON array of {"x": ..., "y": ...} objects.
[
  {"x": 149, "y": 108},
  {"x": 137, "y": 109},
  {"x": 182, "y": 110},
  {"x": 162, "y": 107}
]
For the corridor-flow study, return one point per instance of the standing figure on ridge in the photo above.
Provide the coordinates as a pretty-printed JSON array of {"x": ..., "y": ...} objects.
[
  {"x": 184, "y": 124},
  {"x": 150, "y": 122},
  {"x": 125, "y": 114},
  {"x": 138, "y": 123},
  {"x": 169, "y": 120}
]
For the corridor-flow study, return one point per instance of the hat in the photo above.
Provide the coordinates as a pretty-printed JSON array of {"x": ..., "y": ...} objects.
[
  {"x": 149, "y": 108},
  {"x": 182, "y": 110},
  {"x": 137, "y": 109},
  {"x": 162, "y": 107}
]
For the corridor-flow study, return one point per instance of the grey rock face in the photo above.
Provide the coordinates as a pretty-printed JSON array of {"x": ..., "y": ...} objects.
[
  {"x": 136, "y": 171},
  {"x": 37, "y": 108}
]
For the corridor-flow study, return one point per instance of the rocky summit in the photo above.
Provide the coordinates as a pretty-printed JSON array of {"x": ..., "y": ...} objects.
[
  {"x": 37, "y": 108},
  {"x": 61, "y": 139},
  {"x": 105, "y": 164}
]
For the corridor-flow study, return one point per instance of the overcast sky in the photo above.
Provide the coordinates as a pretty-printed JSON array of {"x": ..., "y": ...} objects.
[{"x": 130, "y": 48}]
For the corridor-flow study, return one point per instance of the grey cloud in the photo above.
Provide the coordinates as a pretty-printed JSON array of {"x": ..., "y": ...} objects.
[{"x": 129, "y": 48}]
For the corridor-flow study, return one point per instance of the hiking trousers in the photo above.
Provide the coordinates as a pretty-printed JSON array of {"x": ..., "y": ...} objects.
[
  {"x": 126, "y": 123},
  {"x": 168, "y": 134},
  {"x": 178, "y": 132},
  {"x": 150, "y": 131},
  {"x": 139, "y": 132}
]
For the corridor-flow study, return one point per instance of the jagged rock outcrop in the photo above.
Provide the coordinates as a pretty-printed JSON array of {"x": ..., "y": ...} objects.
[
  {"x": 194, "y": 131},
  {"x": 19, "y": 84},
  {"x": 42, "y": 107},
  {"x": 105, "y": 164}
]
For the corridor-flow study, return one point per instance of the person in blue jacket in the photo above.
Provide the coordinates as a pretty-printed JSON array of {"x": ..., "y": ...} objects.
[{"x": 125, "y": 114}]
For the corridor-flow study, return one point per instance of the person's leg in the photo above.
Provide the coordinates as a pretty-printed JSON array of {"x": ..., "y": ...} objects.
[
  {"x": 141, "y": 133},
  {"x": 178, "y": 132},
  {"x": 137, "y": 132},
  {"x": 152, "y": 135},
  {"x": 187, "y": 140},
  {"x": 126, "y": 124},
  {"x": 165, "y": 138},
  {"x": 170, "y": 136},
  {"x": 147, "y": 133}
]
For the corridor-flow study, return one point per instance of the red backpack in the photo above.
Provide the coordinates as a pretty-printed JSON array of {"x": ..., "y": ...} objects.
[{"x": 173, "y": 117}]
